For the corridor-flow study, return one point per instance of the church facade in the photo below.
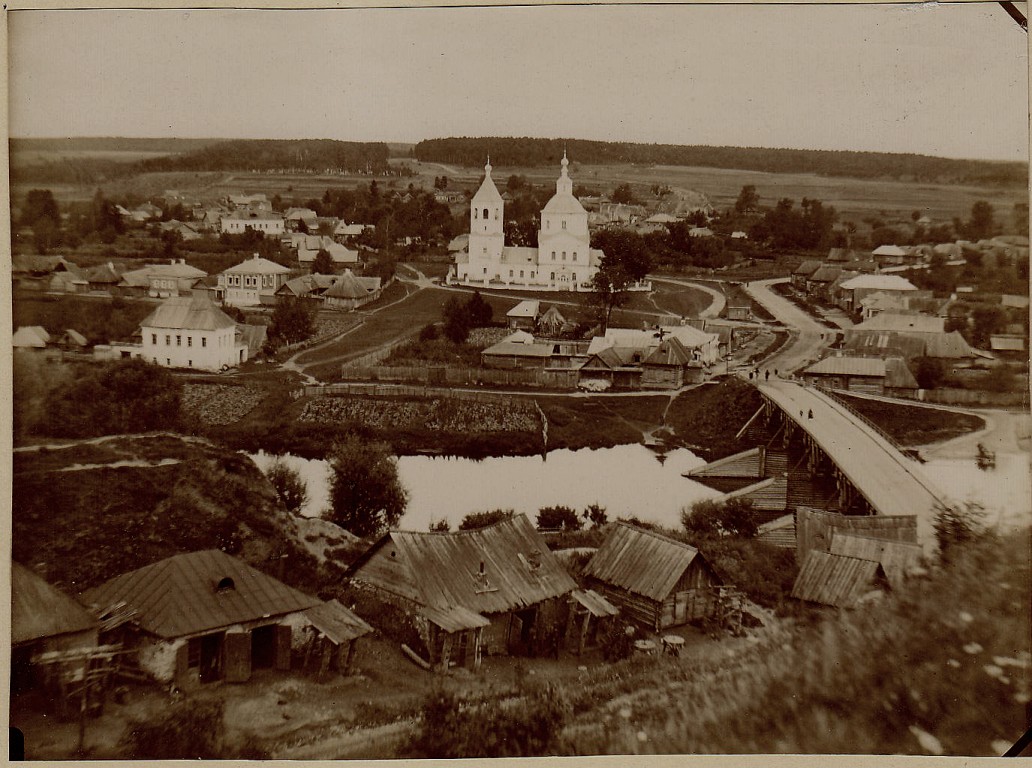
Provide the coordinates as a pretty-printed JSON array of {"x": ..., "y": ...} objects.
[{"x": 563, "y": 261}]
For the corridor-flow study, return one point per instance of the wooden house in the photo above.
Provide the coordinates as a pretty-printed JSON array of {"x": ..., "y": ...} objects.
[
  {"x": 670, "y": 366},
  {"x": 44, "y": 620},
  {"x": 496, "y": 589},
  {"x": 836, "y": 580},
  {"x": 206, "y": 616},
  {"x": 656, "y": 581}
]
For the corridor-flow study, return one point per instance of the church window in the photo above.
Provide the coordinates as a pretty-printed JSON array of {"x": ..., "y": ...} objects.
[
  {"x": 485, "y": 249},
  {"x": 564, "y": 223},
  {"x": 575, "y": 255},
  {"x": 485, "y": 213},
  {"x": 553, "y": 276},
  {"x": 548, "y": 224},
  {"x": 532, "y": 273},
  {"x": 485, "y": 270},
  {"x": 575, "y": 277},
  {"x": 521, "y": 273},
  {"x": 475, "y": 213},
  {"x": 496, "y": 214},
  {"x": 553, "y": 255},
  {"x": 510, "y": 273},
  {"x": 564, "y": 255}
]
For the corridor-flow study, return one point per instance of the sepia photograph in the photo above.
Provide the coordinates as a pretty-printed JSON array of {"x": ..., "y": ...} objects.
[{"x": 518, "y": 381}]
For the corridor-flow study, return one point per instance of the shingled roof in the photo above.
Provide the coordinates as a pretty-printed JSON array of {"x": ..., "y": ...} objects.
[
  {"x": 198, "y": 592},
  {"x": 835, "y": 579},
  {"x": 640, "y": 561}
]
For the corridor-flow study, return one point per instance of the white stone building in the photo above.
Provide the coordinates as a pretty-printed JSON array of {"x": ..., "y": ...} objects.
[
  {"x": 238, "y": 222},
  {"x": 563, "y": 260},
  {"x": 191, "y": 332}
]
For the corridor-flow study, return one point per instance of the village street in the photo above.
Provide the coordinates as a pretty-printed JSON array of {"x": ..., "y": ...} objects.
[{"x": 809, "y": 336}]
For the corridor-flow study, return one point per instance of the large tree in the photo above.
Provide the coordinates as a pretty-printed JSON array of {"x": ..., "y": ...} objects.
[
  {"x": 625, "y": 261},
  {"x": 323, "y": 263},
  {"x": 748, "y": 201},
  {"x": 981, "y": 224},
  {"x": 366, "y": 495},
  {"x": 292, "y": 321}
]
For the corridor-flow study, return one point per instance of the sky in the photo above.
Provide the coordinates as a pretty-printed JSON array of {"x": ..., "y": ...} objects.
[{"x": 939, "y": 79}]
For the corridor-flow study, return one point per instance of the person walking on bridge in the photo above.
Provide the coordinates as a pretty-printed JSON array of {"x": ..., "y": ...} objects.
[
  {"x": 809, "y": 414},
  {"x": 766, "y": 374}
]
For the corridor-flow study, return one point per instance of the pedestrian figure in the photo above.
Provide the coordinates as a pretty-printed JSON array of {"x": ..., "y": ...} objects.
[
  {"x": 775, "y": 373},
  {"x": 809, "y": 415},
  {"x": 750, "y": 375},
  {"x": 800, "y": 414},
  {"x": 766, "y": 375}
]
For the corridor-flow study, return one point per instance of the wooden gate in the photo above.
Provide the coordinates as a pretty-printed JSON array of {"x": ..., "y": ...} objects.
[{"x": 237, "y": 650}]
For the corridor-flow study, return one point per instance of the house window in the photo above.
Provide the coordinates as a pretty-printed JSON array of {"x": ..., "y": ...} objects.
[
  {"x": 575, "y": 277},
  {"x": 168, "y": 362},
  {"x": 575, "y": 255},
  {"x": 476, "y": 213},
  {"x": 564, "y": 223},
  {"x": 553, "y": 275},
  {"x": 193, "y": 653},
  {"x": 485, "y": 250},
  {"x": 521, "y": 273},
  {"x": 564, "y": 255},
  {"x": 532, "y": 273},
  {"x": 154, "y": 339},
  {"x": 189, "y": 363},
  {"x": 553, "y": 255},
  {"x": 510, "y": 273},
  {"x": 168, "y": 340},
  {"x": 204, "y": 341},
  {"x": 179, "y": 341},
  {"x": 485, "y": 270},
  {"x": 485, "y": 213},
  {"x": 189, "y": 341}
]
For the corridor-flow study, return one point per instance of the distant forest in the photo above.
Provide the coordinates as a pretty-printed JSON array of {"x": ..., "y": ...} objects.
[
  {"x": 529, "y": 152},
  {"x": 316, "y": 155}
]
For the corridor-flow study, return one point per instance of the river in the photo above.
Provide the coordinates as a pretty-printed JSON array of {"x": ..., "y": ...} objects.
[{"x": 626, "y": 480}]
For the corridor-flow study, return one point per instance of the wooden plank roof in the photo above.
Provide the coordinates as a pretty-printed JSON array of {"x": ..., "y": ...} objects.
[
  {"x": 180, "y": 595},
  {"x": 595, "y": 603},
  {"x": 640, "y": 561},
  {"x": 768, "y": 495},
  {"x": 834, "y": 579},
  {"x": 337, "y": 622},
  {"x": 499, "y": 568},
  {"x": 40, "y": 610},
  {"x": 896, "y": 557},
  {"x": 743, "y": 464}
]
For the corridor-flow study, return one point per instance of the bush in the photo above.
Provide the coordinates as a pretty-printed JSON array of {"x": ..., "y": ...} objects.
[
  {"x": 476, "y": 520},
  {"x": 365, "y": 493},
  {"x": 956, "y": 526},
  {"x": 616, "y": 640},
  {"x": 429, "y": 332},
  {"x": 289, "y": 485},
  {"x": 596, "y": 515},
  {"x": 564, "y": 518},
  {"x": 440, "y": 526},
  {"x": 707, "y": 519},
  {"x": 527, "y": 727}
]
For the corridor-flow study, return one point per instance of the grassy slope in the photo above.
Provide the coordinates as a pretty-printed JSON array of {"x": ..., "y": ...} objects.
[
  {"x": 80, "y": 528},
  {"x": 913, "y": 425},
  {"x": 706, "y": 419}
]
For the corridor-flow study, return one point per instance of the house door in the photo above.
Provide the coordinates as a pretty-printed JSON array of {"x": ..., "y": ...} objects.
[
  {"x": 237, "y": 654},
  {"x": 263, "y": 647},
  {"x": 211, "y": 658},
  {"x": 680, "y": 608}
]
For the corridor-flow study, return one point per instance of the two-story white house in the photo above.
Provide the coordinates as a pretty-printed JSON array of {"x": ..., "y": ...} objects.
[
  {"x": 191, "y": 332},
  {"x": 252, "y": 282}
]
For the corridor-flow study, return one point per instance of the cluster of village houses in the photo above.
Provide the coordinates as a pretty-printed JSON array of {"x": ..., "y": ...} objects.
[
  {"x": 899, "y": 324},
  {"x": 203, "y": 617}
]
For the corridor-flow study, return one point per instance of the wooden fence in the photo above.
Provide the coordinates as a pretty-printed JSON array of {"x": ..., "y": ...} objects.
[
  {"x": 955, "y": 396},
  {"x": 454, "y": 376}
]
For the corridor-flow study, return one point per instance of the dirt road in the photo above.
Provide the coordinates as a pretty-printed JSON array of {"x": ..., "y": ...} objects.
[{"x": 809, "y": 336}]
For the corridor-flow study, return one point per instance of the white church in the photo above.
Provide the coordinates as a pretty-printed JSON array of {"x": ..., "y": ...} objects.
[{"x": 563, "y": 260}]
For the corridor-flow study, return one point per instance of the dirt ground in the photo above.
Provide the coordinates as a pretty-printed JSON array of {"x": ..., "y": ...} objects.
[{"x": 292, "y": 715}]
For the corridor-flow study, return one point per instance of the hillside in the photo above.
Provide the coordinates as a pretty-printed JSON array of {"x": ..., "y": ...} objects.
[
  {"x": 89, "y": 511},
  {"x": 523, "y": 152}
]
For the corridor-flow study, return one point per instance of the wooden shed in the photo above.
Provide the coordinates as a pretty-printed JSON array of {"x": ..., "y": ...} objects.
[
  {"x": 496, "y": 589},
  {"x": 656, "y": 581}
]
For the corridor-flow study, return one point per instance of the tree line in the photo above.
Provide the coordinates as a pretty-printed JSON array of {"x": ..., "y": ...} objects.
[{"x": 528, "y": 152}]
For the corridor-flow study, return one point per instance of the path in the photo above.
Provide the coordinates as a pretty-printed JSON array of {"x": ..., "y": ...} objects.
[
  {"x": 809, "y": 336},
  {"x": 891, "y": 483},
  {"x": 717, "y": 299}
]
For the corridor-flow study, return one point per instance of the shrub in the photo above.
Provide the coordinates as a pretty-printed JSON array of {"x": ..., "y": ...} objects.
[
  {"x": 596, "y": 515},
  {"x": 289, "y": 485},
  {"x": 616, "y": 640},
  {"x": 707, "y": 519},
  {"x": 956, "y": 526},
  {"x": 188, "y": 730},
  {"x": 527, "y": 727},
  {"x": 440, "y": 526},
  {"x": 564, "y": 518},
  {"x": 429, "y": 332},
  {"x": 483, "y": 519}
]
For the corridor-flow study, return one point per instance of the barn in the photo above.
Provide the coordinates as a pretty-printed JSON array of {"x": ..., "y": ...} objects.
[
  {"x": 496, "y": 589},
  {"x": 656, "y": 581}
]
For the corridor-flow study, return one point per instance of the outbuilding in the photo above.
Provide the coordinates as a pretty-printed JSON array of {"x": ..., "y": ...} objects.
[
  {"x": 656, "y": 581},
  {"x": 496, "y": 590}
]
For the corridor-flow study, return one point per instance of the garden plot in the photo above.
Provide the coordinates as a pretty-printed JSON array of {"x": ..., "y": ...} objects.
[
  {"x": 435, "y": 414},
  {"x": 218, "y": 404}
]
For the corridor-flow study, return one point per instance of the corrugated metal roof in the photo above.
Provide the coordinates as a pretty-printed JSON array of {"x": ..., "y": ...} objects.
[
  {"x": 896, "y": 557},
  {"x": 518, "y": 568},
  {"x": 596, "y": 604},
  {"x": 834, "y": 579},
  {"x": 640, "y": 561},
  {"x": 847, "y": 366},
  {"x": 454, "y": 619},
  {"x": 188, "y": 313},
  {"x": 40, "y": 610},
  {"x": 179, "y": 596},
  {"x": 337, "y": 622}
]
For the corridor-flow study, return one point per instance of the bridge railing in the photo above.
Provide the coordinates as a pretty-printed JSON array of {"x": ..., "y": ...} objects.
[{"x": 874, "y": 427}]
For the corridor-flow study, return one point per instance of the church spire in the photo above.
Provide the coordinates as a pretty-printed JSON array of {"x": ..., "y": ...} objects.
[
  {"x": 564, "y": 185},
  {"x": 487, "y": 168}
]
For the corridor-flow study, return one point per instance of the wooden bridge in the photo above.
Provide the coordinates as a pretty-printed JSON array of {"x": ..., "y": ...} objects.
[{"x": 871, "y": 474}]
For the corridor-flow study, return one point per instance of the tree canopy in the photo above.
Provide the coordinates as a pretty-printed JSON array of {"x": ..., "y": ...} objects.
[
  {"x": 625, "y": 262},
  {"x": 322, "y": 264},
  {"x": 366, "y": 494}
]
